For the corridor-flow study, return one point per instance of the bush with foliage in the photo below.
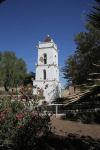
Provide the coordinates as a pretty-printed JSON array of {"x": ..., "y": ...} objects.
[
  {"x": 87, "y": 118},
  {"x": 18, "y": 125}
]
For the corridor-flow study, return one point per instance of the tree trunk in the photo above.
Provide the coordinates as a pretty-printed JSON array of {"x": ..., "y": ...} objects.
[{"x": 5, "y": 85}]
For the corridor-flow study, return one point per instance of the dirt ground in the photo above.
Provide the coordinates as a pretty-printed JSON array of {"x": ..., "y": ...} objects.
[
  {"x": 64, "y": 127},
  {"x": 71, "y": 135}
]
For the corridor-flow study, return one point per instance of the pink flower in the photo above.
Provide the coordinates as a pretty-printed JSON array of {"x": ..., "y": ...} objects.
[
  {"x": 3, "y": 117},
  {"x": 9, "y": 92},
  {"x": 37, "y": 116},
  {"x": 10, "y": 113},
  {"x": 31, "y": 96},
  {"x": 1, "y": 113},
  {"x": 36, "y": 85},
  {"x": 6, "y": 109},
  {"x": 21, "y": 97},
  {"x": 32, "y": 115},
  {"x": 22, "y": 87},
  {"x": 12, "y": 102},
  {"x": 21, "y": 115},
  {"x": 17, "y": 116}
]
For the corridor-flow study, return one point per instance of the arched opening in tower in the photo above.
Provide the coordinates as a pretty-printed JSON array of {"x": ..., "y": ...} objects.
[
  {"x": 44, "y": 72},
  {"x": 45, "y": 58}
]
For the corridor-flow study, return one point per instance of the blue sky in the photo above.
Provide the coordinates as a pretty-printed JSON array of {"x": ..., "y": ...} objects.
[{"x": 23, "y": 23}]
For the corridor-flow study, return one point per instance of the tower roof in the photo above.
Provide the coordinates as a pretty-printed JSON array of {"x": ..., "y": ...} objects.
[{"x": 47, "y": 39}]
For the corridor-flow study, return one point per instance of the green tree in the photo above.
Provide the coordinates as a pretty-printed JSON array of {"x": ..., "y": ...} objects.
[
  {"x": 13, "y": 69},
  {"x": 79, "y": 65},
  {"x": 94, "y": 17},
  {"x": 1, "y": 1},
  {"x": 28, "y": 77},
  {"x": 1, "y": 68}
]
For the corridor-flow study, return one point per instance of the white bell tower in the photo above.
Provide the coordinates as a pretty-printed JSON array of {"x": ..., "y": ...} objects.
[{"x": 47, "y": 70}]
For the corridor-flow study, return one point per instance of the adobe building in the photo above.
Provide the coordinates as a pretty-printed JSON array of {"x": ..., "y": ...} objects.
[{"x": 47, "y": 71}]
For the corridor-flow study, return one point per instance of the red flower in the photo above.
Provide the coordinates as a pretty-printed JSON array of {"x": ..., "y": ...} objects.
[
  {"x": 10, "y": 113},
  {"x": 37, "y": 116},
  {"x": 31, "y": 96},
  {"x": 36, "y": 85},
  {"x": 6, "y": 109},
  {"x": 32, "y": 115},
  {"x": 9, "y": 92},
  {"x": 3, "y": 117},
  {"x": 1, "y": 113},
  {"x": 17, "y": 116},
  {"x": 22, "y": 87}
]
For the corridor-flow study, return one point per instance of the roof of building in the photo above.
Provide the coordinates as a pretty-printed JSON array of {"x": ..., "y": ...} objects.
[{"x": 47, "y": 39}]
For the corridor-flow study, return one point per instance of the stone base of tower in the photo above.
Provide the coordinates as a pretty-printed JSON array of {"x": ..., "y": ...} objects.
[{"x": 50, "y": 92}]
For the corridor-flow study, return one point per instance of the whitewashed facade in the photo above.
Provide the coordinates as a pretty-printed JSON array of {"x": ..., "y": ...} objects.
[{"x": 47, "y": 70}]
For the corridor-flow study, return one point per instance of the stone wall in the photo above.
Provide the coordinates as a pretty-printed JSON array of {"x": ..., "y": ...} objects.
[
  {"x": 72, "y": 90},
  {"x": 64, "y": 93},
  {"x": 2, "y": 88}
]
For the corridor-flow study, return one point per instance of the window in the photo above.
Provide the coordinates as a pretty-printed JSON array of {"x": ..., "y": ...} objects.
[
  {"x": 45, "y": 58},
  {"x": 44, "y": 73}
]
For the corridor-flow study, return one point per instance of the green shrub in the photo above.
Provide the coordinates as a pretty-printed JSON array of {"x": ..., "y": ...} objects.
[
  {"x": 19, "y": 126},
  {"x": 87, "y": 118}
]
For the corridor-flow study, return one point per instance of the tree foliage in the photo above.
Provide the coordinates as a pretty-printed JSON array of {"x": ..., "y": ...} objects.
[
  {"x": 13, "y": 70},
  {"x": 94, "y": 17},
  {"x": 28, "y": 77},
  {"x": 1, "y": 1},
  {"x": 79, "y": 65}
]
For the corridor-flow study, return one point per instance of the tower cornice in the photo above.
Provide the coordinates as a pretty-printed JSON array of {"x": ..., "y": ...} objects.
[{"x": 47, "y": 48}]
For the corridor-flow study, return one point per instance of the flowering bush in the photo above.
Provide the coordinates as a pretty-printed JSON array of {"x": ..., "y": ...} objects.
[
  {"x": 46, "y": 86},
  {"x": 18, "y": 124}
]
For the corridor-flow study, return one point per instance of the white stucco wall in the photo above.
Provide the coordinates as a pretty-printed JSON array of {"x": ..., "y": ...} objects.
[
  {"x": 51, "y": 52},
  {"x": 52, "y": 77},
  {"x": 51, "y": 73},
  {"x": 52, "y": 91}
]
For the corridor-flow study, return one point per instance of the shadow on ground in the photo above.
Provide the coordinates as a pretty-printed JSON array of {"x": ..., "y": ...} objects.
[{"x": 70, "y": 142}]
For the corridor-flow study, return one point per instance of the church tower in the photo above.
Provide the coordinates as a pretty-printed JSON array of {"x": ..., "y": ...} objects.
[{"x": 47, "y": 71}]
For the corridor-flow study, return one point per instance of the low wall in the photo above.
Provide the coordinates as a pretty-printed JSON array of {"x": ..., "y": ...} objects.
[
  {"x": 2, "y": 88},
  {"x": 72, "y": 90}
]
